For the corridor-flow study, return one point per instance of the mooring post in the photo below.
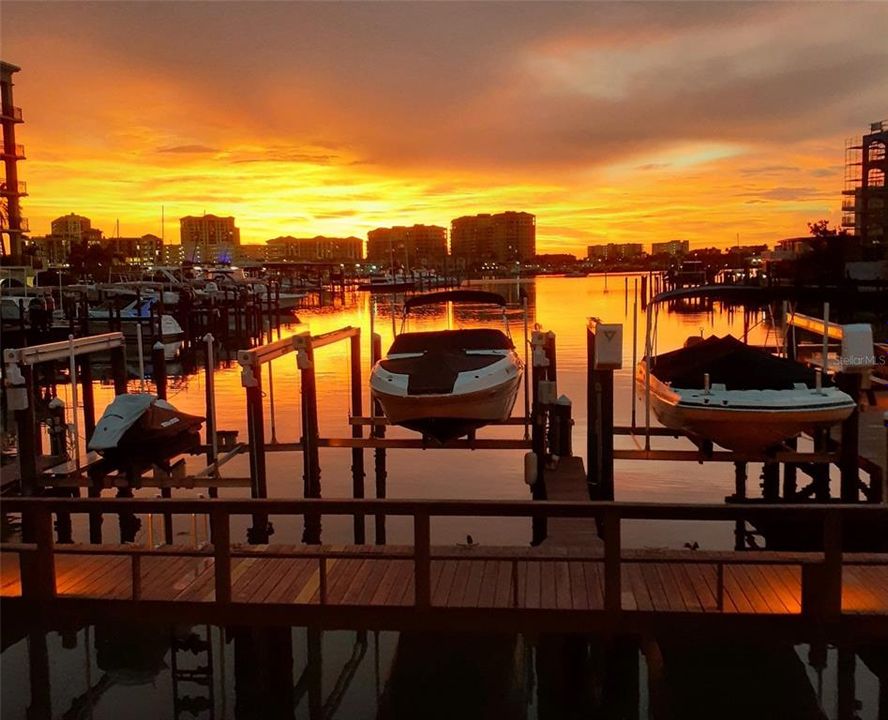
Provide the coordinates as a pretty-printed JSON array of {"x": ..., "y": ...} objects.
[
  {"x": 539, "y": 523},
  {"x": 21, "y": 401},
  {"x": 118, "y": 370},
  {"x": 378, "y": 430},
  {"x": 260, "y": 531},
  {"x": 210, "y": 397},
  {"x": 357, "y": 405},
  {"x": 820, "y": 470},
  {"x": 159, "y": 369},
  {"x": 310, "y": 456},
  {"x": 604, "y": 344},
  {"x": 87, "y": 395},
  {"x": 849, "y": 449}
]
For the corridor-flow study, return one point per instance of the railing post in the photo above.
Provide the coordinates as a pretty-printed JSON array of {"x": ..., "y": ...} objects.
[
  {"x": 612, "y": 580},
  {"x": 422, "y": 559},
  {"x": 219, "y": 527}
]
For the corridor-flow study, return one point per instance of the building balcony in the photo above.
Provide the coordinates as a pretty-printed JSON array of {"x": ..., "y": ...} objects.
[
  {"x": 848, "y": 205},
  {"x": 12, "y": 113},
  {"x": 20, "y": 190},
  {"x": 16, "y": 152},
  {"x": 23, "y": 226}
]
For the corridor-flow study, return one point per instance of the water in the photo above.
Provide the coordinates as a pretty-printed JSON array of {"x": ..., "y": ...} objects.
[{"x": 295, "y": 672}]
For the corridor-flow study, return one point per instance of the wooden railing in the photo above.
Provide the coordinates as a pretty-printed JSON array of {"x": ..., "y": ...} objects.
[{"x": 821, "y": 572}]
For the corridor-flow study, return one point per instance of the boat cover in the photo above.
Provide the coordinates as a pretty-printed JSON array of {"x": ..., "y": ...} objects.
[
  {"x": 471, "y": 339},
  {"x": 732, "y": 363},
  {"x": 477, "y": 297},
  {"x": 123, "y": 412},
  {"x": 435, "y": 372}
]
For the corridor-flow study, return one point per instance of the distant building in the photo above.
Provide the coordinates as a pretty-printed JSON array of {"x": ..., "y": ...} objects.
[
  {"x": 250, "y": 253},
  {"x": 673, "y": 248},
  {"x": 615, "y": 252},
  {"x": 51, "y": 249},
  {"x": 503, "y": 237},
  {"x": 76, "y": 229},
  {"x": 13, "y": 226},
  {"x": 413, "y": 246},
  {"x": 317, "y": 249},
  {"x": 865, "y": 202},
  {"x": 145, "y": 250},
  {"x": 172, "y": 255},
  {"x": 209, "y": 238}
]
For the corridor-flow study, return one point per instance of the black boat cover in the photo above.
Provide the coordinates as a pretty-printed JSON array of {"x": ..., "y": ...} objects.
[
  {"x": 732, "y": 363},
  {"x": 435, "y": 372},
  {"x": 477, "y": 297}
]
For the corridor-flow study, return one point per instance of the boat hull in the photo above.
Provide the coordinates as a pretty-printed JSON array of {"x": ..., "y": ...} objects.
[
  {"x": 744, "y": 421},
  {"x": 445, "y": 417}
]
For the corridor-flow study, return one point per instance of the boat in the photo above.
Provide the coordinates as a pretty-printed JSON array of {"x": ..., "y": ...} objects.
[
  {"x": 447, "y": 383},
  {"x": 745, "y": 399},
  {"x": 141, "y": 428}
]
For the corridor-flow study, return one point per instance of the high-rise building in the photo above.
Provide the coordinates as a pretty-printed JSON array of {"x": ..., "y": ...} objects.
[
  {"x": 865, "y": 201},
  {"x": 317, "y": 249},
  {"x": 208, "y": 238},
  {"x": 413, "y": 246},
  {"x": 502, "y": 237},
  {"x": 13, "y": 227},
  {"x": 673, "y": 248}
]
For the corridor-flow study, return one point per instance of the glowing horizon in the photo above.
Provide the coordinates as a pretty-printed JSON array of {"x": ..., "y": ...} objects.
[{"x": 611, "y": 123}]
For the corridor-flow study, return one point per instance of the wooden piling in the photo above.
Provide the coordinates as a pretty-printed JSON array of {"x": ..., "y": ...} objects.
[
  {"x": 310, "y": 456},
  {"x": 259, "y": 532},
  {"x": 600, "y": 430},
  {"x": 159, "y": 369},
  {"x": 379, "y": 458},
  {"x": 357, "y": 405}
]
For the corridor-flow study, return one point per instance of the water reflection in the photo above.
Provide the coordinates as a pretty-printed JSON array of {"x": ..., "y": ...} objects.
[{"x": 151, "y": 670}]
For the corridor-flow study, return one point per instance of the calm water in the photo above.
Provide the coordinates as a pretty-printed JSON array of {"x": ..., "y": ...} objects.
[{"x": 114, "y": 672}]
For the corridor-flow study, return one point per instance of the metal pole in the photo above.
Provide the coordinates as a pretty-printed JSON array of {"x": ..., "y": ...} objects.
[
  {"x": 634, "y": 345},
  {"x": 825, "y": 362},
  {"x": 647, "y": 382},
  {"x": 75, "y": 400},
  {"x": 527, "y": 370}
]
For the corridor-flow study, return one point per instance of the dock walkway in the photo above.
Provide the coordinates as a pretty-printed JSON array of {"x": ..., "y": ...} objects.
[{"x": 424, "y": 586}]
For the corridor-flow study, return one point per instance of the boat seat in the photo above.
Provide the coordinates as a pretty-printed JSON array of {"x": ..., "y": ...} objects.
[{"x": 436, "y": 371}]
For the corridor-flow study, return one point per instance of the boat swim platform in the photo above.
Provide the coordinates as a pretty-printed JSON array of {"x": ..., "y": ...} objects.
[{"x": 420, "y": 586}]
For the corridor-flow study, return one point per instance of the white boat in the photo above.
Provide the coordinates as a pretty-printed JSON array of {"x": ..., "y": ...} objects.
[
  {"x": 736, "y": 396},
  {"x": 447, "y": 383}
]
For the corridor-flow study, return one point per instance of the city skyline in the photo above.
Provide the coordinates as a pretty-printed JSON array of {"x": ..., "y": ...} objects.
[{"x": 611, "y": 123}]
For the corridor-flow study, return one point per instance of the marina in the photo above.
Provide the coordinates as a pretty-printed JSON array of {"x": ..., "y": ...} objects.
[{"x": 489, "y": 361}]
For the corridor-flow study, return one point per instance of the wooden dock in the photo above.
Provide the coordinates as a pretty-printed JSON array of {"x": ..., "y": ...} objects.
[{"x": 420, "y": 586}]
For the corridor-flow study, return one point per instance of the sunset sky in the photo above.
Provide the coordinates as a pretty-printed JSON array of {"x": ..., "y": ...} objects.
[{"x": 622, "y": 122}]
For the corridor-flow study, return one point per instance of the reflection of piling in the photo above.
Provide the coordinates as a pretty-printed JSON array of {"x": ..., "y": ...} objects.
[{"x": 379, "y": 464}]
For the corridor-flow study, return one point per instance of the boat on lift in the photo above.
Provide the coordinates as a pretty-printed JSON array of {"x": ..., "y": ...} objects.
[
  {"x": 447, "y": 383},
  {"x": 140, "y": 427},
  {"x": 743, "y": 398}
]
